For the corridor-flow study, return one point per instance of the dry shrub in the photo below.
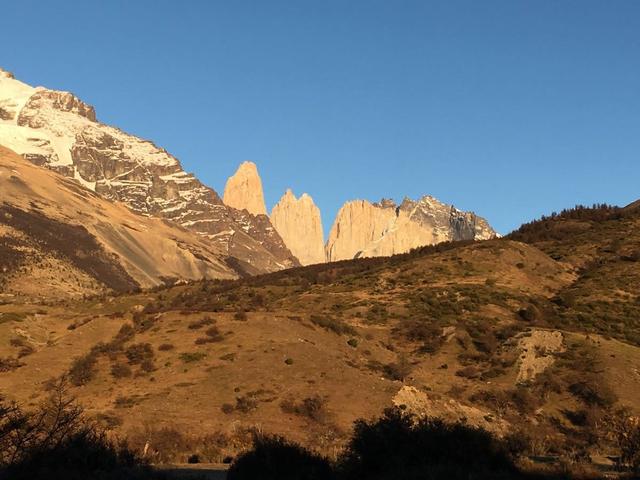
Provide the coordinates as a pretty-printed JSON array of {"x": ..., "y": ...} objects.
[{"x": 312, "y": 408}]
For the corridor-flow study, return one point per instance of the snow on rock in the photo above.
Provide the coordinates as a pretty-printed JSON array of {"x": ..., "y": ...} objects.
[{"x": 59, "y": 131}]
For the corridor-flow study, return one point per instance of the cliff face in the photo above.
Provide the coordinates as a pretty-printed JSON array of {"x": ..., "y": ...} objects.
[
  {"x": 57, "y": 130},
  {"x": 363, "y": 229},
  {"x": 298, "y": 222},
  {"x": 244, "y": 190}
]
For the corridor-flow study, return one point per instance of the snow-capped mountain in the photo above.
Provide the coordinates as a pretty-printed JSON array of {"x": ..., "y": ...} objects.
[{"x": 57, "y": 130}]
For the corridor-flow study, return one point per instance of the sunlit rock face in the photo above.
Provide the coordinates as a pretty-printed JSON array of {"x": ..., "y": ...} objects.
[
  {"x": 298, "y": 222},
  {"x": 364, "y": 229},
  {"x": 244, "y": 190}
]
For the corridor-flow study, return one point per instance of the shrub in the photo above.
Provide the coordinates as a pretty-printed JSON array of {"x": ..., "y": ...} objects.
[
  {"x": 120, "y": 370},
  {"x": 245, "y": 404},
  {"x": 8, "y": 364},
  {"x": 83, "y": 369},
  {"x": 143, "y": 322},
  {"x": 398, "y": 370},
  {"x": 166, "y": 347},
  {"x": 426, "y": 332},
  {"x": 138, "y": 353},
  {"x": 188, "y": 357},
  {"x": 593, "y": 392},
  {"x": 333, "y": 324},
  {"x": 273, "y": 458},
  {"x": 313, "y": 408},
  {"x": 147, "y": 365},
  {"x": 213, "y": 335},
  {"x": 625, "y": 431},
  {"x": 530, "y": 313},
  {"x": 201, "y": 323},
  {"x": 57, "y": 441},
  {"x": 400, "y": 447},
  {"x": 240, "y": 315}
]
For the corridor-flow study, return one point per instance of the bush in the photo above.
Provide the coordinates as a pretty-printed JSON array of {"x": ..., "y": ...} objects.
[
  {"x": 313, "y": 408},
  {"x": 120, "y": 370},
  {"x": 625, "y": 431},
  {"x": 245, "y": 404},
  {"x": 240, "y": 315},
  {"x": 83, "y": 369},
  {"x": 333, "y": 324},
  {"x": 166, "y": 347},
  {"x": 8, "y": 364},
  {"x": 398, "y": 370},
  {"x": 273, "y": 458},
  {"x": 530, "y": 313},
  {"x": 201, "y": 323},
  {"x": 138, "y": 353},
  {"x": 400, "y": 447},
  {"x": 56, "y": 441},
  {"x": 213, "y": 336},
  {"x": 188, "y": 357}
]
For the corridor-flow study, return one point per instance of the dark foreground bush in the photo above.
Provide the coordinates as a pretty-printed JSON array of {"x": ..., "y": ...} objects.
[
  {"x": 56, "y": 441},
  {"x": 395, "y": 447},
  {"x": 398, "y": 447},
  {"x": 81, "y": 456},
  {"x": 273, "y": 458}
]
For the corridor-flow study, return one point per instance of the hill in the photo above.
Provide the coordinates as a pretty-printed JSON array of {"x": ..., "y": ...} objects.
[
  {"x": 464, "y": 330},
  {"x": 58, "y": 239}
]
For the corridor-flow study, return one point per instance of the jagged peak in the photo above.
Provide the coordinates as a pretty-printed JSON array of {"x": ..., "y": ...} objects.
[
  {"x": 289, "y": 197},
  {"x": 243, "y": 190}
]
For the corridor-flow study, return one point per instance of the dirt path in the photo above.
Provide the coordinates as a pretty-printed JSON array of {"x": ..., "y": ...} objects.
[{"x": 202, "y": 471}]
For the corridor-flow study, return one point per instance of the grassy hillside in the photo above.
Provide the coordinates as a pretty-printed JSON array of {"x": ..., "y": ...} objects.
[{"x": 533, "y": 335}]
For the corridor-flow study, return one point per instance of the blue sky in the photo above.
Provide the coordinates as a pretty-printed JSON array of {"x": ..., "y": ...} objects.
[{"x": 508, "y": 108}]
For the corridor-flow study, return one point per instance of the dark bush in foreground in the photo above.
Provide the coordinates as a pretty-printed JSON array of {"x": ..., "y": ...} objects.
[
  {"x": 273, "y": 458},
  {"x": 82, "y": 455},
  {"x": 57, "y": 441},
  {"x": 395, "y": 447},
  {"x": 398, "y": 447}
]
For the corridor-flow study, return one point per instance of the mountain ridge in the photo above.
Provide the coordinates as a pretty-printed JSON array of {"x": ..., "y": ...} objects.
[{"x": 57, "y": 130}]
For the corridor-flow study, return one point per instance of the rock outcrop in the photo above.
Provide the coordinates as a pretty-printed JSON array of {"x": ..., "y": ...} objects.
[
  {"x": 364, "y": 229},
  {"x": 244, "y": 190},
  {"x": 298, "y": 222},
  {"x": 57, "y": 130}
]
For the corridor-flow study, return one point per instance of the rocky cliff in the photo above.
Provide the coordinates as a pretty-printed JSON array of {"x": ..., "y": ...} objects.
[
  {"x": 298, "y": 222},
  {"x": 57, "y": 130},
  {"x": 364, "y": 229},
  {"x": 243, "y": 190}
]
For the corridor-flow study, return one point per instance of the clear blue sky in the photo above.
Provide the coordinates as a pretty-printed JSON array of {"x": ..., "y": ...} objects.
[{"x": 508, "y": 108}]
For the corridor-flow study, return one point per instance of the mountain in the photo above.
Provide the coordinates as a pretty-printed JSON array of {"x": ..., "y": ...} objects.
[
  {"x": 243, "y": 190},
  {"x": 60, "y": 240},
  {"x": 361, "y": 228},
  {"x": 535, "y": 338},
  {"x": 298, "y": 222},
  {"x": 364, "y": 229},
  {"x": 57, "y": 130}
]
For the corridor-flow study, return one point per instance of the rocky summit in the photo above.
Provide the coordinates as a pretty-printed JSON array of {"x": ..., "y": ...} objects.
[
  {"x": 244, "y": 190},
  {"x": 298, "y": 222},
  {"x": 364, "y": 229},
  {"x": 57, "y": 130}
]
